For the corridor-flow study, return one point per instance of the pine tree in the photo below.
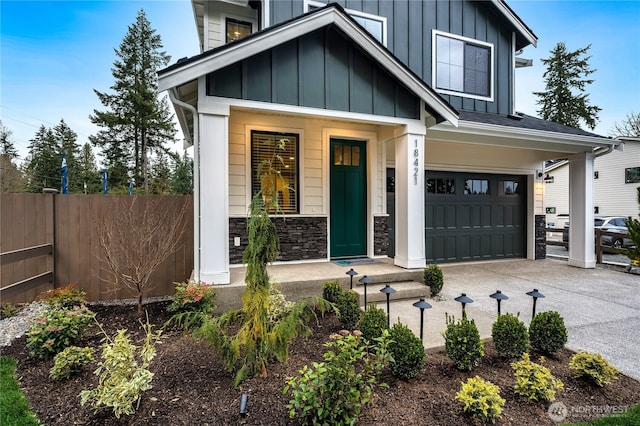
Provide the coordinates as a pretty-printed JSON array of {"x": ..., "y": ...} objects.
[
  {"x": 43, "y": 163},
  {"x": 182, "y": 175},
  {"x": 88, "y": 170},
  {"x": 11, "y": 178},
  {"x": 564, "y": 100},
  {"x": 67, "y": 140},
  {"x": 160, "y": 175},
  {"x": 136, "y": 121}
]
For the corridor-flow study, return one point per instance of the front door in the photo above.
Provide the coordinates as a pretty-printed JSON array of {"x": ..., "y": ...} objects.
[{"x": 348, "y": 198}]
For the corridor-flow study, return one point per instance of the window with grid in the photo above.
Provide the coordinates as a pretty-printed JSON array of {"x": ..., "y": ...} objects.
[
  {"x": 463, "y": 66},
  {"x": 279, "y": 151}
]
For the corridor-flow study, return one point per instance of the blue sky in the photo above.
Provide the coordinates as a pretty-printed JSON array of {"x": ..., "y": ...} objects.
[{"x": 53, "y": 54}]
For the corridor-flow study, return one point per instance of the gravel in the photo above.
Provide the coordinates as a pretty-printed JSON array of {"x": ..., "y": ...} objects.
[{"x": 16, "y": 326}]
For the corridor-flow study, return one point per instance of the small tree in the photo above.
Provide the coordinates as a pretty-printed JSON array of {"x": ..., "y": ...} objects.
[
  {"x": 629, "y": 127},
  {"x": 564, "y": 100},
  {"x": 633, "y": 231},
  {"x": 136, "y": 237}
]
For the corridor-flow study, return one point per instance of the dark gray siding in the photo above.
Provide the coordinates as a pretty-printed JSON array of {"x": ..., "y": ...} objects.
[
  {"x": 322, "y": 69},
  {"x": 409, "y": 25}
]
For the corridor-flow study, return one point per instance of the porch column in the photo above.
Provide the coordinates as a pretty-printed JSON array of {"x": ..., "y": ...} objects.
[
  {"x": 214, "y": 196},
  {"x": 581, "y": 230},
  {"x": 410, "y": 244}
]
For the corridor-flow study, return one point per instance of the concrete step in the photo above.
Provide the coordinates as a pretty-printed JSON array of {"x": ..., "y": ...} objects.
[{"x": 404, "y": 290}]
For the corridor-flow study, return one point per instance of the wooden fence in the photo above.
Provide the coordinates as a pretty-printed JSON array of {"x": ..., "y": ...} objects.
[{"x": 68, "y": 223}]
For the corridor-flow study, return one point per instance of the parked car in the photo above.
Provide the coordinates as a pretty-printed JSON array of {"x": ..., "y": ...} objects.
[{"x": 616, "y": 224}]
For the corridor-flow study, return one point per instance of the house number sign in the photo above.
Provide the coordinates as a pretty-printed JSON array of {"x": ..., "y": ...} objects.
[{"x": 416, "y": 162}]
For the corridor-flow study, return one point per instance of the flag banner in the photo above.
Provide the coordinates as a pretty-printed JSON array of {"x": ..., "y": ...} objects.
[
  {"x": 63, "y": 169},
  {"x": 105, "y": 184},
  {"x": 130, "y": 187}
]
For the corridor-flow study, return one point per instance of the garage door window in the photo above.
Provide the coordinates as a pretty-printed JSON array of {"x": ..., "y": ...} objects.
[
  {"x": 441, "y": 186},
  {"x": 507, "y": 187},
  {"x": 476, "y": 187}
]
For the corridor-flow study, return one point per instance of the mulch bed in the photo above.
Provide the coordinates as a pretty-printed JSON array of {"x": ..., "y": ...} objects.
[{"x": 192, "y": 387}]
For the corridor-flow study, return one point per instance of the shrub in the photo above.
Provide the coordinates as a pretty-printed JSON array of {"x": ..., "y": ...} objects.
[
  {"x": 57, "y": 329},
  {"x": 69, "y": 361},
  {"x": 9, "y": 310},
  {"x": 123, "y": 372},
  {"x": 279, "y": 306},
  {"x": 481, "y": 399},
  {"x": 547, "y": 332},
  {"x": 593, "y": 367},
  {"x": 407, "y": 352},
  {"x": 432, "y": 275},
  {"x": 535, "y": 381},
  {"x": 510, "y": 336},
  {"x": 194, "y": 297},
  {"x": 373, "y": 322},
  {"x": 331, "y": 291},
  {"x": 349, "y": 310},
  {"x": 462, "y": 343},
  {"x": 334, "y": 392},
  {"x": 64, "y": 297}
]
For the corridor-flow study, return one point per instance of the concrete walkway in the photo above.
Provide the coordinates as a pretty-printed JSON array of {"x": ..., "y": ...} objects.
[{"x": 601, "y": 307}]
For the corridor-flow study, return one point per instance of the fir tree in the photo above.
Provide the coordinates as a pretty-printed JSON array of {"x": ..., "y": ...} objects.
[
  {"x": 564, "y": 100},
  {"x": 6, "y": 146},
  {"x": 88, "y": 170},
  {"x": 43, "y": 163},
  {"x": 160, "y": 175},
  {"x": 67, "y": 140},
  {"x": 11, "y": 179},
  {"x": 135, "y": 122},
  {"x": 182, "y": 175}
]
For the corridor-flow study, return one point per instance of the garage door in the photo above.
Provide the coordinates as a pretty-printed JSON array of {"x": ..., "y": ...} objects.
[{"x": 471, "y": 216}]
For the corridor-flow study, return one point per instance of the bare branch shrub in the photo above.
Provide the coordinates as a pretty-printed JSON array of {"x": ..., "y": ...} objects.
[{"x": 137, "y": 236}]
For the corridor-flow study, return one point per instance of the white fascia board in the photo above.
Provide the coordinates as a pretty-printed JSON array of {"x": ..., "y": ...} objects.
[
  {"x": 556, "y": 166},
  {"x": 468, "y": 130},
  {"x": 305, "y": 25},
  {"x": 516, "y": 22}
]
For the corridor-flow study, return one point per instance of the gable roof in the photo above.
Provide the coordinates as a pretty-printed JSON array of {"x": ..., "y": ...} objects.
[
  {"x": 519, "y": 25},
  {"x": 189, "y": 69}
]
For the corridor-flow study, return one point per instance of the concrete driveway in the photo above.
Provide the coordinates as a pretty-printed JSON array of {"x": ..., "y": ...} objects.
[{"x": 600, "y": 307}]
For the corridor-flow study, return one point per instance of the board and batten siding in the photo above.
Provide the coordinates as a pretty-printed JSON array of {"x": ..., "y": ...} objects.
[
  {"x": 313, "y": 164},
  {"x": 409, "y": 38}
]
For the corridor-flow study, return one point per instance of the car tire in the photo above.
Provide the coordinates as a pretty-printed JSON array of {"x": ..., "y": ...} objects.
[{"x": 616, "y": 243}]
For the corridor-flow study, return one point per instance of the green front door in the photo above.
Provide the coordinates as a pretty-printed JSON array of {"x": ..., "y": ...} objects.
[{"x": 348, "y": 198}]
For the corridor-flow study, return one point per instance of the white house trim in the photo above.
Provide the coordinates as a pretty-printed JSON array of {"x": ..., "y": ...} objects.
[
  {"x": 516, "y": 22},
  {"x": 259, "y": 42}
]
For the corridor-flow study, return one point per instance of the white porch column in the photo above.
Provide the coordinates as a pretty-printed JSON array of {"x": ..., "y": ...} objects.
[
  {"x": 410, "y": 244},
  {"x": 581, "y": 230},
  {"x": 214, "y": 196}
]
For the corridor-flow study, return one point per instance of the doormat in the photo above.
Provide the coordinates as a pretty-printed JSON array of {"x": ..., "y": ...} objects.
[{"x": 351, "y": 262}]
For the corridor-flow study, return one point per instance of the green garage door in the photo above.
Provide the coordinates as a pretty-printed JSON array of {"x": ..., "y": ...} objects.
[{"x": 472, "y": 216}]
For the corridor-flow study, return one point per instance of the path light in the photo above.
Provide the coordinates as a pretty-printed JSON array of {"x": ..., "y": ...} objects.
[
  {"x": 499, "y": 297},
  {"x": 388, "y": 290},
  {"x": 351, "y": 273},
  {"x": 464, "y": 300},
  {"x": 365, "y": 280},
  {"x": 536, "y": 295},
  {"x": 243, "y": 404},
  {"x": 422, "y": 305}
]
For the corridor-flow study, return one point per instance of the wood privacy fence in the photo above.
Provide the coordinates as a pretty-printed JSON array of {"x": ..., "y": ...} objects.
[{"x": 68, "y": 223}]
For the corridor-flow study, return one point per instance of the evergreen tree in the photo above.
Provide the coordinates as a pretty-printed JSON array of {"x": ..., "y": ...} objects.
[
  {"x": 136, "y": 121},
  {"x": 564, "y": 100},
  {"x": 11, "y": 179},
  {"x": 182, "y": 175},
  {"x": 67, "y": 139},
  {"x": 160, "y": 175},
  {"x": 88, "y": 170},
  {"x": 629, "y": 127},
  {"x": 43, "y": 163},
  {"x": 633, "y": 231}
]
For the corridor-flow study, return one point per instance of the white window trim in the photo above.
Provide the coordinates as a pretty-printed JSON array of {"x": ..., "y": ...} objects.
[
  {"x": 434, "y": 53},
  {"x": 248, "y": 128},
  {"x": 365, "y": 15}
]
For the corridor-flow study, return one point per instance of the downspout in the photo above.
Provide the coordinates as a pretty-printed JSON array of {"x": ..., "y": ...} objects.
[{"x": 196, "y": 182}]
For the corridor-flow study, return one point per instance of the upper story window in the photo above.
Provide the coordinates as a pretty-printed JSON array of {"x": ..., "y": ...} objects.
[
  {"x": 462, "y": 66},
  {"x": 632, "y": 175},
  {"x": 236, "y": 29},
  {"x": 374, "y": 24}
]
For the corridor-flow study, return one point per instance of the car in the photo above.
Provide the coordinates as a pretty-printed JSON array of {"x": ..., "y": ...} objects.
[{"x": 616, "y": 224}]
